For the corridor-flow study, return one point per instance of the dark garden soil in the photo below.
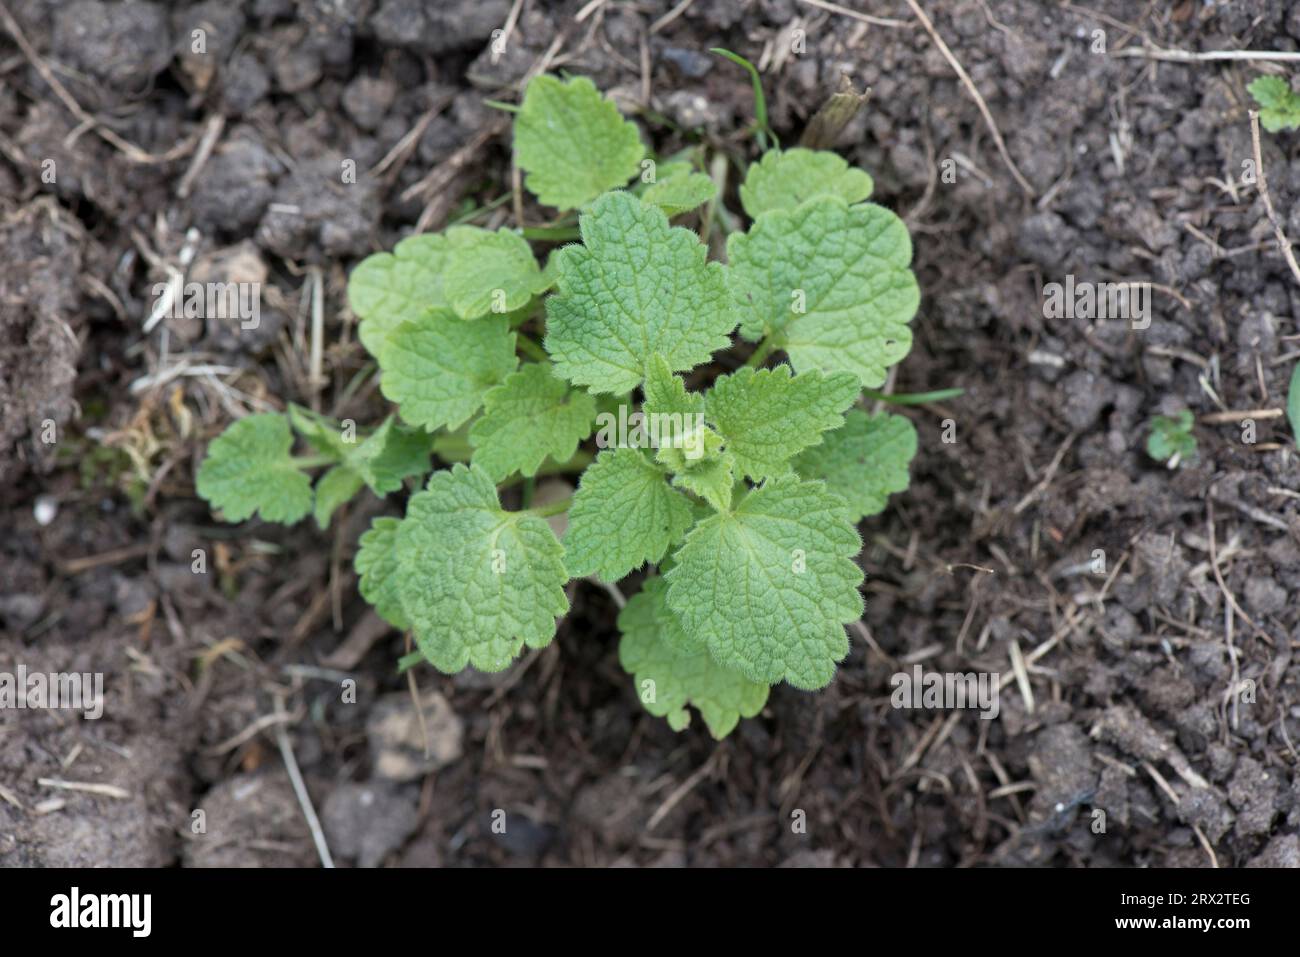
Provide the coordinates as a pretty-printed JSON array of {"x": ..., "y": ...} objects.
[{"x": 1163, "y": 693}]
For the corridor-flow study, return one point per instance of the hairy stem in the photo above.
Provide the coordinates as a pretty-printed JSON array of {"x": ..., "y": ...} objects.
[
  {"x": 452, "y": 448},
  {"x": 314, "y": 461},
  {"x": 765, "y": 349},
  {"x": 554, "y": 508},
  {"x": 914, "y": 398},
  {"x": 530, "y": 348}
]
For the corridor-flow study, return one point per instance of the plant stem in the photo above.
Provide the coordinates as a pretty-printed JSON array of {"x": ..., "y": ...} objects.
[
  {"x": 765, "y": 349},
  {"x": 314, "y": 461},
  {"x": 554, "y": 234},
  {"x": 554, "y": 508},
  {"x": 577, "y": 463},
  {"x": 914, "y": 398},
  {"x": 530, "y": 348},
  {"x": 452, "y": 448}
]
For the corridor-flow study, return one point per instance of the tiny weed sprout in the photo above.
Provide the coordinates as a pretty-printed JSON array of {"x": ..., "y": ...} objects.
[
  {"x": 1293, "y": 404},
  {"x": 1279, "y": 107},
  {"x": 1171, "y": 441},
  {"x": 730, "y": 488}
]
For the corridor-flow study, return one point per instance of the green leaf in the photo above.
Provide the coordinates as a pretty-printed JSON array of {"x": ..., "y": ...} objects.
[
  {"x": 830, "y": 284},
  {"x": 768, "y": 416},
  {"x": 864, "y": 462},
  {"x": 713, "y": 478},
  {"x": 674, "y": 419},
  {"x": 249, "y": 469},
  {"x": 1279, "y": 108},
  {"x": 477, "y": 583},
  {"x": 679, "y": 190},
  {"x": 376, "y": 563},
  {"x": 668, "y": 678},
  {"x": 322, "y": 433},
  {"x": 770, "y": 585},
  {"x": 406, "y": 285},
  {"x": 389, "y": 455},
  {"x": 666, "y": 394},
  {"x": 783, "y": 179},
  {"x": 1293, "y": 404},
  {"x": 530, "y": 416},
  {"x": 1171, "y": 440},
  {"x": 438, "y": 370},
  {"x": 573, "y": 143},
  {"x": 381, "y": 460},
  {"x": 335, "y": 487},
  {"x": 624, "y": 514},
  {"x": 637, "y": 287},
  {"x": 490, "y": 272}
]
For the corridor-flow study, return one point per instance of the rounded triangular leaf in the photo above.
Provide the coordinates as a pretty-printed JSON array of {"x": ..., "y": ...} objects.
[
  {"x": 572, "y": 142},
  {"x": 668, "y": 678},
  {"x": 477, "y": 583},
  {"x": 249, "y": 469},
  {"x": 783, "y": 179},
  {"x": 636, "y": 287},
  {"x": 439, "y": 370},
  {"x": 830, "y": 284},
  {"x": 769, "y": 586}
]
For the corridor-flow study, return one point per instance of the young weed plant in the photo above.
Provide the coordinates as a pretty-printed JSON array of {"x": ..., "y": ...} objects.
[
  {"x": 742, "y": 497},
  {"x": 1171, "y": 441}
]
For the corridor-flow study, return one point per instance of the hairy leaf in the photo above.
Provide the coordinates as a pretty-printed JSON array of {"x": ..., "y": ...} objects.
[
  {"x": 249, "y": 468},
  {"x": 679, "y": 189},
  {"x": 783, "y": 179},
  {"x": 406, "y": 285},
  {"x": 624, "y": 514},
  {"x": 1279, "y": 107},
  {"x": 490, "y": 272},
  {"x": 830, "y": 284},
  {"x": 572, "y": 142},
  {"x": 769, "y": 586},
  {"x": 669, "y": 678},
  {"x": 713, "y": 478},
  {"x": 529, "y": 416},
  {"x": 376, "y": 563},
  {"x": 636, "y": 287},
  {"x": 864, "y": 462},
  {"x": 477, "y": 583},
  {"x": 439, "y": 370},
  {"x": 666, "y": 393},
  {"x": 769, "y": 416}
]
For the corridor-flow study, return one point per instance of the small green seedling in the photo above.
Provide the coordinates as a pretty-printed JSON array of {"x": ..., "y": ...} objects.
[
  {"x": 1293, "y": 404},
  {"x": 739, "y": 498},
  {"x": 1171, "y": 441},
  {"x": 1279, "y": 107}
]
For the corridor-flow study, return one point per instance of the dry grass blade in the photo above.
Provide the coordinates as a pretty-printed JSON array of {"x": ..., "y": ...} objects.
[{"x": 975, "y": 95}]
